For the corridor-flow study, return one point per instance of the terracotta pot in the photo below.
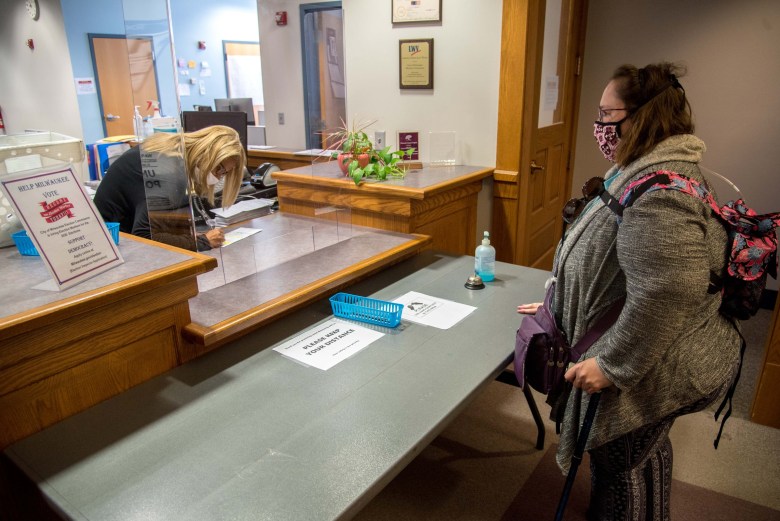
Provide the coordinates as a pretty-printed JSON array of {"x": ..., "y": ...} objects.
[{"x": 345, "y": 159}]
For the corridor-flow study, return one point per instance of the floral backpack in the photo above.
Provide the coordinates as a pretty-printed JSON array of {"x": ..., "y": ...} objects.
[
  {"x": 753, "y": 255},
  {"x": 752, "y": 238}
]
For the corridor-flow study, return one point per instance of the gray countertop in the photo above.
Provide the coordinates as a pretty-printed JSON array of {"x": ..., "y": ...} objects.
[
  {"x": 21, "y": 274},
  {"x": 245, "y": 433}
]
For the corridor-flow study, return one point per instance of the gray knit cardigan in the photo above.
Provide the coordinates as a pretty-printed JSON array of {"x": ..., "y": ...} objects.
[{"x": 670, "y": 346}]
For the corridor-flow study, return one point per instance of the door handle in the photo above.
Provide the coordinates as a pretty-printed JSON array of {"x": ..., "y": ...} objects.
[
  {"x": 534, "y": 166},
  {"x": 111, "y": 117}
]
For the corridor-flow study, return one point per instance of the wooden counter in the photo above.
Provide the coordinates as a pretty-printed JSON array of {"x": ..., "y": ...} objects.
[
  {"x": 62, "y": 352},
  {"x": 293, "y": 261},
  {"x": 437, "y": 201},
  {"x": 284, "y": 158}
]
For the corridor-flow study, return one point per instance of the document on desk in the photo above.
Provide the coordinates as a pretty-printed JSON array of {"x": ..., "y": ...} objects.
[
  {"x": 432, "y": 311},
  {"x": 327, "y": 344},
  {"x": 242, "y": 211},
  {"x": 238, "y": 234}
]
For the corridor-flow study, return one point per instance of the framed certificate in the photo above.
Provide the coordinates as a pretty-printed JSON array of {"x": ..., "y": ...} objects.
[
  {"x": 416, "y": 11},
  {"x": 415, "y": 64}
]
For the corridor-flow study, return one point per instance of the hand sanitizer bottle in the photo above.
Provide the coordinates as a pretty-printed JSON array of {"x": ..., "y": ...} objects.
[
  {"x": 138, "y": 125},
  {"x": 485, "y": 260}
]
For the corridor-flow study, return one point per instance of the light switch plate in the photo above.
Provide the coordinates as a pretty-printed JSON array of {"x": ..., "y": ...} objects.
[{"x": 379, "y": 139}]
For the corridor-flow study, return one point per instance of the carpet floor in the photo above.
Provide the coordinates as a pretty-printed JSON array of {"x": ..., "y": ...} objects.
[{"x": 538, "y": 498}]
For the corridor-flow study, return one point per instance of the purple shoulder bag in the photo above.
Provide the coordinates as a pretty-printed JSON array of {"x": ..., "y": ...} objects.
[{"x": 542, "y": 353}]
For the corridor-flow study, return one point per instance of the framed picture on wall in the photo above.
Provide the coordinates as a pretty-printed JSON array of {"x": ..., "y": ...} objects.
[
  {"x": 416, "y": 11},
  {"x": 415, "y": 63}
]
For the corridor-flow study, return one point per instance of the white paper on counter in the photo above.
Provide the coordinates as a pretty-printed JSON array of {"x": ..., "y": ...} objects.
[
  {"x": 432, "y": 311},
  {"x": 327, "y": 344},
  {"x": 238, "y": 234}
]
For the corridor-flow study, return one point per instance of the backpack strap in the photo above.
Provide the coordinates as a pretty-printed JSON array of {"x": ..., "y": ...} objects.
[
  {"x": 730, "y": 393},
  {"x": 604, "y": 322}
]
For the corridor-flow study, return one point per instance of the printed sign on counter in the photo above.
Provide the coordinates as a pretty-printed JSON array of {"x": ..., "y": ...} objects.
[
  {"x": 328, "y": 343},
  {"x": 63, "y": 223},
  {"x": 433, "y": 311}
]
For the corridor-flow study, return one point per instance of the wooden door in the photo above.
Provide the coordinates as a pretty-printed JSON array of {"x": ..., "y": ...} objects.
[
  {"x": 125, "y": 75},
  {"x": 541, "y": 51}
]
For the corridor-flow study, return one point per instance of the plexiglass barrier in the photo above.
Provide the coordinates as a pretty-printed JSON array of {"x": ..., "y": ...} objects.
[{"x": 261, "y": 232}]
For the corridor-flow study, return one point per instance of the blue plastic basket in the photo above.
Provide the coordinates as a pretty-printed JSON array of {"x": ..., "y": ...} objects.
[
  {"x": 363, "y": 309},
  {"x": 113, "y": 229},
  {"x": 24, "y": 244},
  {"x": 26, "y": 247}
]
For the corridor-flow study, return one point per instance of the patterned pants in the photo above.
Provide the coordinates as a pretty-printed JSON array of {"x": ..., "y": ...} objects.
[{"x": 631, "y": 476}]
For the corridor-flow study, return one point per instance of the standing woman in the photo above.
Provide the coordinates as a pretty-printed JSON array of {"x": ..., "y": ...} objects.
[
  {"x": 670, "y": 352},
  {"x": 211, "y": 154}
]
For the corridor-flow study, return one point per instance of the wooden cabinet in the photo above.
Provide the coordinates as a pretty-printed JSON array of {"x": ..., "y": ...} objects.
[
  {"x": 766, "y": 406},
  {"x": 106, "y": 335},
  {"x": 437, "y": 201}
]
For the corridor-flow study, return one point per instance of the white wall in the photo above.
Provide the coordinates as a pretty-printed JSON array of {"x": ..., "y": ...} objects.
[
  {"x": 732, "y": 51},
  {"x": 280, "y": 52},
  {"x": 36, "y": 86},
  {"x": 467, "y": 50}
]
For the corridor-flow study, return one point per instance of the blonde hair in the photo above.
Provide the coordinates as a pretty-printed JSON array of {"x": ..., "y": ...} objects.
[{"x": 205, "y": 150}]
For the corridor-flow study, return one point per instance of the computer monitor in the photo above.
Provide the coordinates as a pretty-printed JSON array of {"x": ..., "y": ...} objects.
[
  {"x": 237, "y": 105},
  {"x": 192, "y": 120},
  {"x": 203, "y": 108}
]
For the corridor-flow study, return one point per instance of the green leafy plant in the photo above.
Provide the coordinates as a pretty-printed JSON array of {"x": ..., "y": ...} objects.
[{"x": 359, "y": 159}]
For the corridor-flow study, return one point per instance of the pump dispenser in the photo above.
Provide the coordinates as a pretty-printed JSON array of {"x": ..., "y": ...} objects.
[
  {"x": 158, "y": 122},
  {"x": 485, "y": 259},
  {"x": 138, "y": 125}
]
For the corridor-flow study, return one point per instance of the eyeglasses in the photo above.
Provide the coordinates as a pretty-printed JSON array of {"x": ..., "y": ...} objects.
[
  {"x": 603, "y": 113},
  {"x": 592, "y": 188},
  {"x": 221, "y": 171}
]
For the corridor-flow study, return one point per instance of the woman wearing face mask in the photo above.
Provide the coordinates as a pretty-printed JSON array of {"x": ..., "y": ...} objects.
[
  {"x": 670, "y": 352},
  {"x": 150, "y": 177}
]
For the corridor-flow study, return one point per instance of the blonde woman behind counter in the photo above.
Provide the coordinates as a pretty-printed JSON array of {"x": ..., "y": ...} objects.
[{"x": 211, "y": 154}]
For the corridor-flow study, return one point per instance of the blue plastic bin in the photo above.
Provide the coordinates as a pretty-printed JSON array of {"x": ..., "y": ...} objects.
[
  {"x": 26, "y": 247},
  {"x": 363, "y": 309}
]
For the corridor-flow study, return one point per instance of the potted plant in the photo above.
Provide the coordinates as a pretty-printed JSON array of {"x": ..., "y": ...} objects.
[{"x": 358, "y": 158}]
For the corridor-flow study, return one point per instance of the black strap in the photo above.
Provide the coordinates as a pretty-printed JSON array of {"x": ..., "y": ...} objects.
[
  {"x": 605, "y": 322},
  {"x": 730, "y": 393},
  {"x": 612, "y": 203}
]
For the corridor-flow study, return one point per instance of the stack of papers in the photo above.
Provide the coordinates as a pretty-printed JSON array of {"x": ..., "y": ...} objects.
[
  {"x": 242, "y": 211},
  {"x": 315, "y": 152}
]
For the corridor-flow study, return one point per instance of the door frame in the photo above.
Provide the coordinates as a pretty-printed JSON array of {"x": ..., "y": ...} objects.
[
  {"x": 519, "y": 86},
  {"x": 310, "y": 62}
]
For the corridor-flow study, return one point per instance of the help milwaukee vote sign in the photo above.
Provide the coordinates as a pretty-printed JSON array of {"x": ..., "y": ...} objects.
[{"x": 62, "y": 222}]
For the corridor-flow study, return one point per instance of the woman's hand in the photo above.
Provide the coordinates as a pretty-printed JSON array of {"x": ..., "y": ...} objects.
[
  {"x": 587, "y": 375},
  {"x": 215, "y": 237},
  {"x": 529, "y": 309}
]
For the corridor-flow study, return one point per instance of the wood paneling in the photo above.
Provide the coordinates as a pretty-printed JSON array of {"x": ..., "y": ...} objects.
[
  {"x": 59, "y": 359},
  {"x": 64, "y": 393},
  {"x": 446, "y": 211},
  {"x": 766, "y": 406}
]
